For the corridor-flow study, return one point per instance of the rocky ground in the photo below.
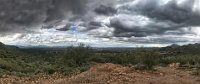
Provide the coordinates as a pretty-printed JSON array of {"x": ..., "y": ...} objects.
[{"x": 115, "y": 74}]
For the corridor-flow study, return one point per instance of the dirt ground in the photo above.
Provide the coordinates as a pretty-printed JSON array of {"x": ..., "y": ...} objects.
[{"x": 117, "y": 74}]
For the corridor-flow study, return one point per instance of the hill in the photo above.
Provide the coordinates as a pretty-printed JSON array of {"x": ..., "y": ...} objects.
[
  {"x": 185, "y": 49},
  {"x": 9, "y": 51}
]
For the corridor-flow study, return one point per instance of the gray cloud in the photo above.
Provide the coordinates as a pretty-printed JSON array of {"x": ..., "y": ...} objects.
[
  {"x": 16, "y": 16},
  {"x": 133, "y": 21},
  {"x": 164, "y": 39},
  {"x": 65, "y": 28},
  {"x": 105, "y": 10},
  {"x": 154, "y": 17},
  {"x": 171, "y": 10},
  {"x": 139, "y": 26},
  {"x": 20, "y": 14}
]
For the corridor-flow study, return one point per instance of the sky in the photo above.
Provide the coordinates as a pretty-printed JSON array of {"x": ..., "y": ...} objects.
[{"x": 100, "y": 23}]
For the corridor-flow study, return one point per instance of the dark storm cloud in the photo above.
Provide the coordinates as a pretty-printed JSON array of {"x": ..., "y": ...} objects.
[
  {"x": 121, "y": 18},
  {"x": 173, "y": 10},
  {"x": 15, "y": 15},
  {"x": 130, "y": 21},
  {"x": 61, "y": 7},
  {"x": 170, "y": 11},
  {"x": 66, "y": 27},
  {"x": 93, "y": 25},
  {"x": 18, "y": 15},
  {"x": 128, "y": 27},
  {"x": 105, "y": 10},
  {"x": 90, "y": 25},
  {"x": 160, "y": 17}
]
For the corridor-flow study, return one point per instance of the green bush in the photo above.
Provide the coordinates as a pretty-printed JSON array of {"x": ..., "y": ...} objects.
[
  {"x": 98, "y": 59},
  {"x": 140, "y": 66},
  {"x": 168, "y": 60},
  {"x": 150, "y": 59},
  {"x": 78, "y": 56},
  {"x": 197, "y": 72}
]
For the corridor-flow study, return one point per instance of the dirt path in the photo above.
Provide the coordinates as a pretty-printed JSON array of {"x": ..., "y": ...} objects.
[{"x": 117, "y": 74}]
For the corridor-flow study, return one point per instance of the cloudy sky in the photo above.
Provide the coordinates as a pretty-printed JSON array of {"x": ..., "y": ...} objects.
[{"x": 101, "y": 23}]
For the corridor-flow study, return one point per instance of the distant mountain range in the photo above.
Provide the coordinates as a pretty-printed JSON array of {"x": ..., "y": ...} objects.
[
  {"x": 185, "y": 49},
  {"x": 174, "y": 48}
]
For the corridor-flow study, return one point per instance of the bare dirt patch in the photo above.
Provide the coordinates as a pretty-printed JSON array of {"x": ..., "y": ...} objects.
[{"x": 117, "y": 74}]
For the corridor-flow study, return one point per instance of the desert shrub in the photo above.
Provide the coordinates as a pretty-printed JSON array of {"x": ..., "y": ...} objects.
[
  {"x": 197, "y": 72},
  {"x": 187, "y": 59},
  {"x": 19, "y": 74},
  {"x": 168, "y": 60},
  {"x": 146, "y": 60},
  {"x": 10, "y": 65},
  {"x": 150, "y": 59},
  {"x": 49, "y": 69},
  {"x": 77, "y": 56},
  {"x": 65, "y": 70},
  {"x": 188, "y": 65},
  {"x": 140, "y": 66},
  {"x": 2, "y": 72},
  {"x": 98, "y": 59},
  {"x": 124, "y": 59},
  {"x": 119, "y": 58},
  {"x": 4, "y": 64},
  {"x": 84, "y": 67}
]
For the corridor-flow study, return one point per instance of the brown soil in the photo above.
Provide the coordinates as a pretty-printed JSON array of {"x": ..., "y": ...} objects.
[{"x": 117, "y": 74}]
